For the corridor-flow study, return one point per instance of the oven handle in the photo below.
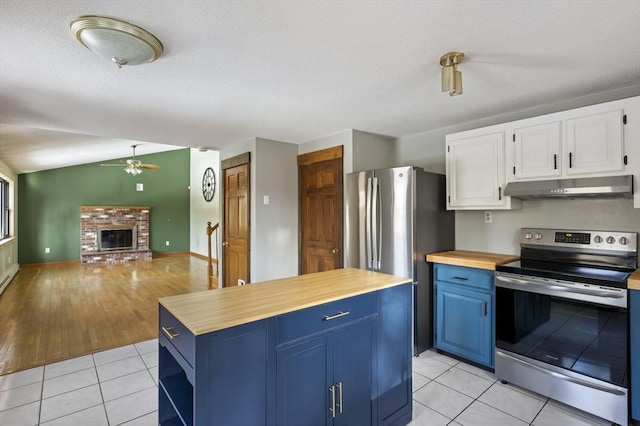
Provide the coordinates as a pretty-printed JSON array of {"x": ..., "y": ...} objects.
[
  {"x": 562, "y": 376},
  {"x": 531, "y": 284}
]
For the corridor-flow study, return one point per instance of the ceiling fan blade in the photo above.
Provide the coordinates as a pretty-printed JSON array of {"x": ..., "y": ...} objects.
[
  {"x": 149, "y": 166},
  {"x": 113, "y": 165}
]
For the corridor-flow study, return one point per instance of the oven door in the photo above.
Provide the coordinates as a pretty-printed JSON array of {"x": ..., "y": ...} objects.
[{"x": 564, "y": 340}]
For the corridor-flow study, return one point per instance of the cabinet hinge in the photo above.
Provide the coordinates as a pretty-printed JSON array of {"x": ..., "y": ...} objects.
[
  {"x": 624, "y": 160},
  {"x": 514, "y": 137},
  {"x": 624, "y": 119},
  {"x": 448, "y": 148},
  {"x": 514, "y": 170}
]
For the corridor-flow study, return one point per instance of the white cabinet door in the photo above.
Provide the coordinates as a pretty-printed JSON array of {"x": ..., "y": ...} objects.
[
  {"x": 475, "y": 171},
  {"x": 537, "y": 151},
  {"x": 595, "y": 144}
]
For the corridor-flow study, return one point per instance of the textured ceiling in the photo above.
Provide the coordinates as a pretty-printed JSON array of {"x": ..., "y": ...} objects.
[{"x": 295, "y": 71}]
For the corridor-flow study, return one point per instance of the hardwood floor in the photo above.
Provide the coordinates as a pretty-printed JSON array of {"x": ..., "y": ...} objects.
[{"x": 52, "y": 313}]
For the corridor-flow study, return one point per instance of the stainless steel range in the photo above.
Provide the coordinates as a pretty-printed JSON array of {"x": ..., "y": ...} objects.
[{"x": 561, "y": 318}]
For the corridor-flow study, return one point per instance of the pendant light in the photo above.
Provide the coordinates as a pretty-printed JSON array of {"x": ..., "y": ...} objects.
[{"x": 451, "y": 77}]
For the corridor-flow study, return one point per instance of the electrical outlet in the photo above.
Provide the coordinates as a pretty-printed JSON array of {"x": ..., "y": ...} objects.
[
  {"x": 487, "y": 217},
  {"x": 166, "y": 243},
  {"x": 47, "y": 250}
]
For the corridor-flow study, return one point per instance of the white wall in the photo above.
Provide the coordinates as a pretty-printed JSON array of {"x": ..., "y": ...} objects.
[
  {"x": 372, "y": 151},
  {"x": 344, "y": 138},
  {"x": 9, "y": 249},
  {"x": 202, "y": 211},
  {"x": 273, "y": 227},
  {"x": 274, "y": 245},
  {"x": 427, "y": 150},
  {"x": 501, "y": 236}
]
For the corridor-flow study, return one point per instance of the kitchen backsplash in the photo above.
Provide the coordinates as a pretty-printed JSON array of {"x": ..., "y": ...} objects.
[{"x": 501, "y": 236}]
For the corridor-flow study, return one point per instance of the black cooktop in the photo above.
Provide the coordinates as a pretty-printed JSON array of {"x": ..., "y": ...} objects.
[{"x": 568, "y": 272}]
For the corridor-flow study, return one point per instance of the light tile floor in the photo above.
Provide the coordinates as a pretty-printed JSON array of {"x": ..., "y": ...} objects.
[{"x": 120, "y": 387}]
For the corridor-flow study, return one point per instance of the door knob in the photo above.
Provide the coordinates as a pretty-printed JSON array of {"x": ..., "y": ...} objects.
[
  {"x": 225, "y": 243},
  {"x": 335, "y": 251}
]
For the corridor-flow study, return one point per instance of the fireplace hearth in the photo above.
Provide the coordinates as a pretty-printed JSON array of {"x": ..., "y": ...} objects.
[{"x": 114, "y": 234}]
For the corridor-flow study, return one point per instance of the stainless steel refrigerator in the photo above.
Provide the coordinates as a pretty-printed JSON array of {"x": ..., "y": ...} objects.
[{"x": 394, "y": 217}]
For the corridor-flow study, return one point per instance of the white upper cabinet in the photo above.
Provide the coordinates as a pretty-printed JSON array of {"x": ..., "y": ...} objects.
[
  {"x": 475, "y": 170},
  {"x": 583, "y": 142},
  {"x": 595, "y": 144},
  {"x": 537, "y": 151},
  {"x": 598, "y": 140}
]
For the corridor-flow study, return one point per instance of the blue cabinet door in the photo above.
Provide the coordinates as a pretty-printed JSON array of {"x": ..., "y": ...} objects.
[
  {"x": 328, "y": 380},
  {"x": 463, "y": 323},
  {"x": 353, "y": 375},
  {"x": 634, "y": 332},
  {"x": 303, "y": 381}
]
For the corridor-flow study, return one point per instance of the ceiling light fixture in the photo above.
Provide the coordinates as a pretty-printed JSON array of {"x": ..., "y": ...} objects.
[
  {"x": 451, "y": 77},
  {"x": 116, "y": 41}
]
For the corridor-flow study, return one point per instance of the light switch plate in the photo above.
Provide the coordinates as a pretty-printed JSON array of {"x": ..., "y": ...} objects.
[{"x": 139, "y": 187}]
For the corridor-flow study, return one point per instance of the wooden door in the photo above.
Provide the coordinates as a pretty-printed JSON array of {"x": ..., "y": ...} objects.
[
  {"x": 320, "y": 177},
  {"x": 235, "y": 243}
]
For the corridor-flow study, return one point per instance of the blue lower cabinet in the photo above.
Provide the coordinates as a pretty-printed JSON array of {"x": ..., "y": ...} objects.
[
  {"x": 342, "y": 363},
  {"x": 229, "y": 375},
  {"x": 327, "y": 380},
  {"x": 634, "y": 332},
  {"x": 464, "y": 319}
]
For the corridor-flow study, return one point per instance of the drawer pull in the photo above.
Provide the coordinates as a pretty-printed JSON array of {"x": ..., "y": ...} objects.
[
  {"x": 338, "y": 315},
  {"x": 170, "y": 332},
  {"x": 461, "y": 278}
]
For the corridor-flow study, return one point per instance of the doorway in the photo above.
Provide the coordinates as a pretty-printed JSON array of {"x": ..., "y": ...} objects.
[
  {"x": 320, "y": 176},
  {"x": 236, "y": 242}
]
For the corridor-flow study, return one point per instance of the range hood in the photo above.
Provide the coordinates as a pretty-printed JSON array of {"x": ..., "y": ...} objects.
[{"x": 598, "y": 187}]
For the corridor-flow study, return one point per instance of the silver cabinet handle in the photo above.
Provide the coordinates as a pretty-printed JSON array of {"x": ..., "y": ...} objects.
[
  {"x": 170, "y": 332},
  {"x": 339, "y": 386},
  {"x": 332, "y": 389},
  {"x": 461, "y": 278},
  {"x": 338, "y": 315}
]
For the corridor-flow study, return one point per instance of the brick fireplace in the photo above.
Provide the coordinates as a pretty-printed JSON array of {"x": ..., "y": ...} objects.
[{"x": 114, "y": 234}]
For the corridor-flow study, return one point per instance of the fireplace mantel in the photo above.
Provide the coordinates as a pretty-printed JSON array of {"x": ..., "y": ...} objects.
[{"x": 94, "y": 218}]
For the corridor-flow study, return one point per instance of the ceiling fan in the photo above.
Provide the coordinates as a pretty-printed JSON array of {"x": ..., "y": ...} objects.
[{"x": 133, "y": 166}]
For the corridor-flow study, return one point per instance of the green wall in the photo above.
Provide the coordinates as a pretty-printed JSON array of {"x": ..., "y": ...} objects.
[{"x": 49, "y": 205}]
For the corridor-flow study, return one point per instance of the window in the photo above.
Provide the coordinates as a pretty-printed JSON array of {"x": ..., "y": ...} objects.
[{"x": 5, "y": 208}]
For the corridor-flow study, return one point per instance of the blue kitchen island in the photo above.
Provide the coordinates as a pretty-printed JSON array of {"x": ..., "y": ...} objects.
[{"x": 330, "y": 348}]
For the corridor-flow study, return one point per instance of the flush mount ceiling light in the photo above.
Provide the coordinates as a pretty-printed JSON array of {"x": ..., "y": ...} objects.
[
  {"x": 116, "y": 41},
  {"x": 451, "y": 77}
]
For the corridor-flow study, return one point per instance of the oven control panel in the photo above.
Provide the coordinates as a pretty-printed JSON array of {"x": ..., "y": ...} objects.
[{"x": 596, "y": 240}]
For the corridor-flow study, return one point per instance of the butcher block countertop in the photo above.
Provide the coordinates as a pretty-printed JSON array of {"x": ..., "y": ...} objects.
[
  {"x": 211, "y": 310},
  {"x": 633, "y": 283},
  {"x": 472, "y": 259}
]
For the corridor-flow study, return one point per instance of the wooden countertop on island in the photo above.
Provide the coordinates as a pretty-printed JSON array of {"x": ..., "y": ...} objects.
[
  {"x": 633, "y": 283},
  {"x": 471, "y": 259},
  {"x": 211, "y": 310}
]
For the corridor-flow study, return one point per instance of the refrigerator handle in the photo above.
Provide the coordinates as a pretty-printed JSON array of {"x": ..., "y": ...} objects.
[
  {"x": 367, "y": 224},
  {"x": 374, "y": 225}
]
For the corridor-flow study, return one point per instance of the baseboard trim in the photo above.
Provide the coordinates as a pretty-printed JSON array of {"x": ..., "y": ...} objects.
[
  {"x": 51, "y": 264},
  {"x": 8, "y": 277},
  {"x": 178, "y": 253}
]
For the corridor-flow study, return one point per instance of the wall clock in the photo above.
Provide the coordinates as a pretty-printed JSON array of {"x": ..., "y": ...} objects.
[{"x": 208, "y": 184}]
